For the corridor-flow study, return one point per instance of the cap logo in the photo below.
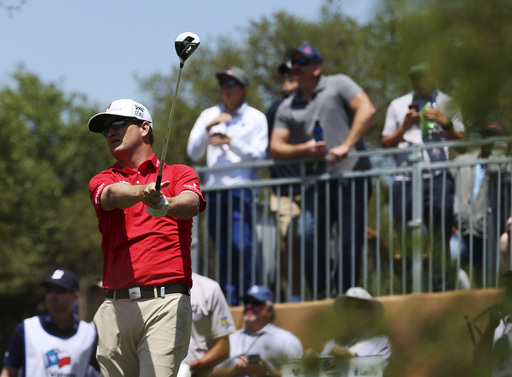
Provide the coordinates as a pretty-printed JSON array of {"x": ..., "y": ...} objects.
[
  {"x": 254, "y": 289},
  {"x": 139, "y": 111},
  {"x": 57, "y": 275},
  {"x": 307, "y": 49}
]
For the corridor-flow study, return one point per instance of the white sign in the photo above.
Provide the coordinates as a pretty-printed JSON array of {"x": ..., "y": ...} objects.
[{"x": 333, "y": 367}]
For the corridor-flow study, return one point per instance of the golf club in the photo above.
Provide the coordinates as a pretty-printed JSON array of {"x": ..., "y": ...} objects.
[{"x": 185, "y": 44}]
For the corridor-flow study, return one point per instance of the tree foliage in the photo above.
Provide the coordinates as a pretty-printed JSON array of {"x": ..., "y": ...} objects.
[
  {"x": 468, "y": 52},
  {"x": 49, "y": 156}
]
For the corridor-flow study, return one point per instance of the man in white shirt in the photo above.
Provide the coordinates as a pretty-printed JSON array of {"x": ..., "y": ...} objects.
[
  {"x": 260, "y": 348},
  {"x": 424, "y": 115},
  {"x": 231, "y": 132}
]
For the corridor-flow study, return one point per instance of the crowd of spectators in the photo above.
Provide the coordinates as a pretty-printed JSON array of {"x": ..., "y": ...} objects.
[{"x": 325, "y": 118}]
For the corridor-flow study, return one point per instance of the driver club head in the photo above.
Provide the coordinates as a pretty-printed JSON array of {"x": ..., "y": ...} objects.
[{"x": 186, "y": 44}]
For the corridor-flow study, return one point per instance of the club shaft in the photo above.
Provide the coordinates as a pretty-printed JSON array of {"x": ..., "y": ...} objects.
[{"x": 167, "y": 133}]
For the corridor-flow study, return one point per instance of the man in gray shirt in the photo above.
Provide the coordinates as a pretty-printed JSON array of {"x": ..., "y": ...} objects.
[
  {"x": 344, "y": 111},
  {"x": 211, "y": 325}
]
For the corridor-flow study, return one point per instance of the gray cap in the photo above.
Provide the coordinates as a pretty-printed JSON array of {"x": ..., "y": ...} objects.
[{"x": 235, "y": 73}]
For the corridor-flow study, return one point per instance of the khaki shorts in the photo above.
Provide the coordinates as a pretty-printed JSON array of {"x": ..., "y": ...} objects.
[
  {"x": 289, "y": 209},
  {"x": 145, "y": 337}
]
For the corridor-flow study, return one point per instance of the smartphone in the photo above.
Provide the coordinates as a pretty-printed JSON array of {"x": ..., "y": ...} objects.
[
  {"x": 414, "y": 106},
  {"x": 254, "y": 359}
]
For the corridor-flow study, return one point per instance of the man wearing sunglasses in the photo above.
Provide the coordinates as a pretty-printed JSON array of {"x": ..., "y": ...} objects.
[
  {"x": 231, "y": 132},
  {"x": 144, "y": 324},
  {"x": 260, "y": 348},
  {"x": 56, "y": 343},
  {"x": 344, "y": 111}
]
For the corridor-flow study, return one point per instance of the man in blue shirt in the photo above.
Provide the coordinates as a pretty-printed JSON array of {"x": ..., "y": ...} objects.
[{"x": 56, "y": 343}]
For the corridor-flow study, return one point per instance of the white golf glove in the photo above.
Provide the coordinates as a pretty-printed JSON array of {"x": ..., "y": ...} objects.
[{"x": 160, "y": 212}]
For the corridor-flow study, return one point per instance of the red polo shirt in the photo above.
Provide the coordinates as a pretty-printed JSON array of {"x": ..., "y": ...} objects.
[{"x": 139, "y": 249}]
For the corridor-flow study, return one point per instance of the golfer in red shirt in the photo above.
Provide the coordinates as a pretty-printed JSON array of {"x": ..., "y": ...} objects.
[{"x": 144, "y": 323}]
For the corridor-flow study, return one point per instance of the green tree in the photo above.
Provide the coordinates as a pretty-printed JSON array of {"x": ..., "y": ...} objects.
[
  {"x": 46, "y": 220},
  {"x": 469, "y": 52},
  {"x": 469, "y": 45}
]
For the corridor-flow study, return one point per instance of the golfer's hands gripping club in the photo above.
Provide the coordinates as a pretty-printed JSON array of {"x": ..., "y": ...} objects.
[
  {"x": 156, "y": 203},
  {"x": 159, "y": 212}
]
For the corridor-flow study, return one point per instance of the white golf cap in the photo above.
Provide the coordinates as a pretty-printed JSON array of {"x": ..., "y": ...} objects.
[
  {"x": 124, "y": 108},
  {"x": 357, "y": 293}
]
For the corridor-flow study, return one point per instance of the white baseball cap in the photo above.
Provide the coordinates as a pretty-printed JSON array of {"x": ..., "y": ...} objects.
[
  {"x": 125, "y": 108},
  {"x": 357, "y": 293}
]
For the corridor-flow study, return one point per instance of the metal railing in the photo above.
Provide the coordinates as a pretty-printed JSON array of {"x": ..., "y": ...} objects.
[{"x": 397, "y": 256}]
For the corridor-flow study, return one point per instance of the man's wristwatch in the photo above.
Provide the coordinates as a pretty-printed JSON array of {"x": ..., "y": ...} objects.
[{"x": 449, "y": 126}]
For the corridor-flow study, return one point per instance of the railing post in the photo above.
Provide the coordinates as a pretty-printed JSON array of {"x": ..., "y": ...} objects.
[{"x": 416, "y": 224}]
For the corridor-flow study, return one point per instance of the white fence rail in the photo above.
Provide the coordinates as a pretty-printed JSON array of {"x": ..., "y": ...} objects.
[{"x": 406, "y": 212}]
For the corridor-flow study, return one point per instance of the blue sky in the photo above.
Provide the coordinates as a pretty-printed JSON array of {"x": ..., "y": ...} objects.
[{"x": 96, "y": 47}]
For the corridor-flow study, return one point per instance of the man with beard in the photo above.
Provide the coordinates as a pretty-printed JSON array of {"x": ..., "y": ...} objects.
[{"x": 259, "y": 349}]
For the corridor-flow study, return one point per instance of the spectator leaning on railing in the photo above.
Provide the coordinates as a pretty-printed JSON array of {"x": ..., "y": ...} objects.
[
  {"x": 285, "y": 200},
  {"x": 344, "y": 112}
]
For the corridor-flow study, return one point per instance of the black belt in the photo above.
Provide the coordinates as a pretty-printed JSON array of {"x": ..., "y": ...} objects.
[{"x": 147, "y": 292}]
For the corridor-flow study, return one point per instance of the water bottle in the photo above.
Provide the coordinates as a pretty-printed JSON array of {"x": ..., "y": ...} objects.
[
  {"x": 319, "y": 134},
  {"x": 427, "y": 126}
]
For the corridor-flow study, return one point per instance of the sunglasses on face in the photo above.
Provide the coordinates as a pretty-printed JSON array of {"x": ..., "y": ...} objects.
[
  {"x": 56, "y": 289},
  {"x": 117, "y": 125},
  {"x": 301, "y": 62},
  {"x": 229, "y": 83},
  {"x": 253, "y": 302}
]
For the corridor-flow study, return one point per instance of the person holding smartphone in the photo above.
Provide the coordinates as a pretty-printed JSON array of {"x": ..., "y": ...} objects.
[
  {"x": 260, "y": 348},
  {"x": 424, "y": 115}
]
